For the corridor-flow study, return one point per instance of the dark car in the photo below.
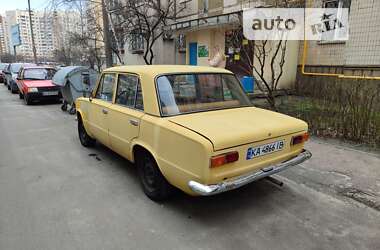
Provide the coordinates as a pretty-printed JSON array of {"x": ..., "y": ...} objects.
[
  {"x": 2, "y": 75},
  {"x": 11, "y": 75}
]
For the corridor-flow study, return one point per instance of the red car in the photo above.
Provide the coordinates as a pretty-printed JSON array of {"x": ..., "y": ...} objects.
[{"x": 35, "y": 84}]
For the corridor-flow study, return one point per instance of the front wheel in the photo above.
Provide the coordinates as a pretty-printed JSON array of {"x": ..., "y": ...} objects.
[
  {"x": 28, "y": 100},
  {"x": 84, "y": 138},
  {"x": 154, "y": 184}
]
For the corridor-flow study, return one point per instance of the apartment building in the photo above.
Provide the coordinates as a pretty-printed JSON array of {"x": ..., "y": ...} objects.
[
  {"x": 203, "y": 25},
  {"x": 94, "y": 19},
  {"x": 49, "y": 28},
  {"x": 4, "y": 44},
  {"x": 360, "y": 54}
]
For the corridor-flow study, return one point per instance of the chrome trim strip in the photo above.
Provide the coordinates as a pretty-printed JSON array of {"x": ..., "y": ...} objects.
[{"x": 239, "y": 181}]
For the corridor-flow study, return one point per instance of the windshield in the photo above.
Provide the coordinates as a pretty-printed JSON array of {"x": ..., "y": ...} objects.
[
  {"x": 188, "y": 93},
  {"x": 39, "y": 74},
  {"x": 15, "y": 68},
  {"x": 2, "y": 66}
]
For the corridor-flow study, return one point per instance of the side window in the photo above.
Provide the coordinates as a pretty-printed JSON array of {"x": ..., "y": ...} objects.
[
  {"x": 20, "y": 73},
  {"x": 105, "y": 89},
  {"x": 139, "y": 98},
  {"x": 126, "y": 90}
]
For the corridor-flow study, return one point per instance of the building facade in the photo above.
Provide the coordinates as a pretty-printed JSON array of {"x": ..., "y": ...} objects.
[
  {"x": 4, "y": 44},
  {"x": 360, "y": 54},
  {"x": 207, "y": 26},
  {"x": 50, "y": 31}
]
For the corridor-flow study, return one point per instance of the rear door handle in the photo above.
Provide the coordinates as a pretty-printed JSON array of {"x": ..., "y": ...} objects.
[
  {"x": 105, "y": 111},
  {"x": 134, "y": 122}
]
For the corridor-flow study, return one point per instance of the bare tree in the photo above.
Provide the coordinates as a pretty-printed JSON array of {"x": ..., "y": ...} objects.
[
  {"x": 142, "y": 19},
  {"x": 264, "y": 60}
]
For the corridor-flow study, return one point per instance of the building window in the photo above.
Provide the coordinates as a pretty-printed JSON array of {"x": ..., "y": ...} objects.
[
  {"x": 336, "y": 4},
  {"x": 137, "y": 43},
  {"x": 181, "y": 43},
  {"x": 205, "y": 6},
  {"x": 331, "y": 4},
  {"x": 331, "y": 20}
]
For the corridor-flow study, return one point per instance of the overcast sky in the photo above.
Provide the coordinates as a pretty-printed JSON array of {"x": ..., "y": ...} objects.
[{"x": 22, "y": 4}]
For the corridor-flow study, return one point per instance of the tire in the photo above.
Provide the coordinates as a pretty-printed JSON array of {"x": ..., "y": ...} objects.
[
  {"x": 28, "y": 100},
  {"x": 72, "y": 111},
  {"x": 154, "y": 184},
  {"x": 64, "y": 107},
  {"x": 20, "y": 95},
  {"x": 84, "y": 138}
]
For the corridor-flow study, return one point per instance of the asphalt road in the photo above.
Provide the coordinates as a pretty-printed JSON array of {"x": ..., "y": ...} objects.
[{"x": 55, "y": 194}]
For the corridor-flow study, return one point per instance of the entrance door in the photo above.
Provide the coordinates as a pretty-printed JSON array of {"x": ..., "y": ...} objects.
[{"x": 193, "y": 53}]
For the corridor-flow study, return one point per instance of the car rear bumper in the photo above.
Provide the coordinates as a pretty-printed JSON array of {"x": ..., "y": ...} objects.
[{"x": 239, "y": 181}]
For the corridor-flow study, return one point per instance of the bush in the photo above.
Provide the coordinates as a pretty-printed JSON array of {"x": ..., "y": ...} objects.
[{"x": 335, "y": 107}]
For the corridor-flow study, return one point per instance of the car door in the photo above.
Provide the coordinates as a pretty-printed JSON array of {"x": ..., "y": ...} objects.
[
  {"x": 8, "y": 74},
  {"x": 20, "y": 81},
  {"x": 126, "y": 114},
  {"x": 98, "y": 119}
]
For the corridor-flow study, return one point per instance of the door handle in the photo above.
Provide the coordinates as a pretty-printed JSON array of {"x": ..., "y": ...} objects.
[
  {"x": 105, "y": 111},
  {"x": 134, "y": 122}
]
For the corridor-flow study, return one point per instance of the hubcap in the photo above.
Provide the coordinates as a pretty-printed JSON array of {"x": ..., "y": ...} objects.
[{"x": 149, "y": 175}]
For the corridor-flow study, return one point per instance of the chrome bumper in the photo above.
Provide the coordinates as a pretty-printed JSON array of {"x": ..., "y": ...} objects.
[{"x": 239, "y": 181}]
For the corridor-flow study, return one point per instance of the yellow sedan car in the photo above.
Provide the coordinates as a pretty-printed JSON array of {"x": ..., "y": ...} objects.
[{"x": 188, "y": 127}]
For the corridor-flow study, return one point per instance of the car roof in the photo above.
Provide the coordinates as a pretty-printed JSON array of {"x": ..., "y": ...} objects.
[
  {"x": 38, "y": 67},
  {"x": 155, "y": 70}
]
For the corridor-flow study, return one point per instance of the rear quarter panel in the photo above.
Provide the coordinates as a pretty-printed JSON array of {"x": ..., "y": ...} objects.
[{"x": 182, "y": 155}]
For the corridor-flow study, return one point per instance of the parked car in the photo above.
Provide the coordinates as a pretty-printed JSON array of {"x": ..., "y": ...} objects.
[
  {"x": 7, "y": 74},
  {"x": 11, "y": 75},
  {"x": 189, "y": 127},
  {"x": 35, "y": 84},
  {"x": 2, "y": 75}
]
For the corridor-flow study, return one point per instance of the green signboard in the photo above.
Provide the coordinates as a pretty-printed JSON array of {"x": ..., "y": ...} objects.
[{"x": 203, "y": 51}]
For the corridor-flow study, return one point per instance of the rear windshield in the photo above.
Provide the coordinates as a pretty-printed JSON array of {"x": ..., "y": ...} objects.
[
  {"x": 189, "y": 93},
  {"x": 39, "y": 74}
]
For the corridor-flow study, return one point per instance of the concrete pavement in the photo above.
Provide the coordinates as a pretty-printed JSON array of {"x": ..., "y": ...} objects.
[{"x": 55, "y": 194}]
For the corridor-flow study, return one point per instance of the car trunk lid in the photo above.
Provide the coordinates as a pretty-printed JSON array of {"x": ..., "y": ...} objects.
[{"x": 233, "y": 127}]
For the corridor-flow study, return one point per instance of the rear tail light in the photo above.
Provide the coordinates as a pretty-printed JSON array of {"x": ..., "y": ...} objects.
[
  {"x": 219, "y": 160},
  {"x": 300, "y": 139}
]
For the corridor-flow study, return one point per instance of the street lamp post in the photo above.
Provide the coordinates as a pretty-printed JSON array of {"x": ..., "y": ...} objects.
[{"x": 32, "y": 34}]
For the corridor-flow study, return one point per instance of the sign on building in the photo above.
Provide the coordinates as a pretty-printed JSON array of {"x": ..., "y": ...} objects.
[{"x": 15, "y": 35}]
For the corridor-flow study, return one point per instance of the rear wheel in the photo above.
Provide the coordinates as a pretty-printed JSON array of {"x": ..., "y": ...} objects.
[
  {"x": 64, "y": 106},
  {"x": 14, "y": 91},
  {"x": 84, "y": 138},
  {"x": 154, "y": 184}
]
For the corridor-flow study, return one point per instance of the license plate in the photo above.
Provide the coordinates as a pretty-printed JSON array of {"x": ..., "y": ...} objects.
[
  {"x": 265, "y": 149},
  {"x": 49, "y": 93}
]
